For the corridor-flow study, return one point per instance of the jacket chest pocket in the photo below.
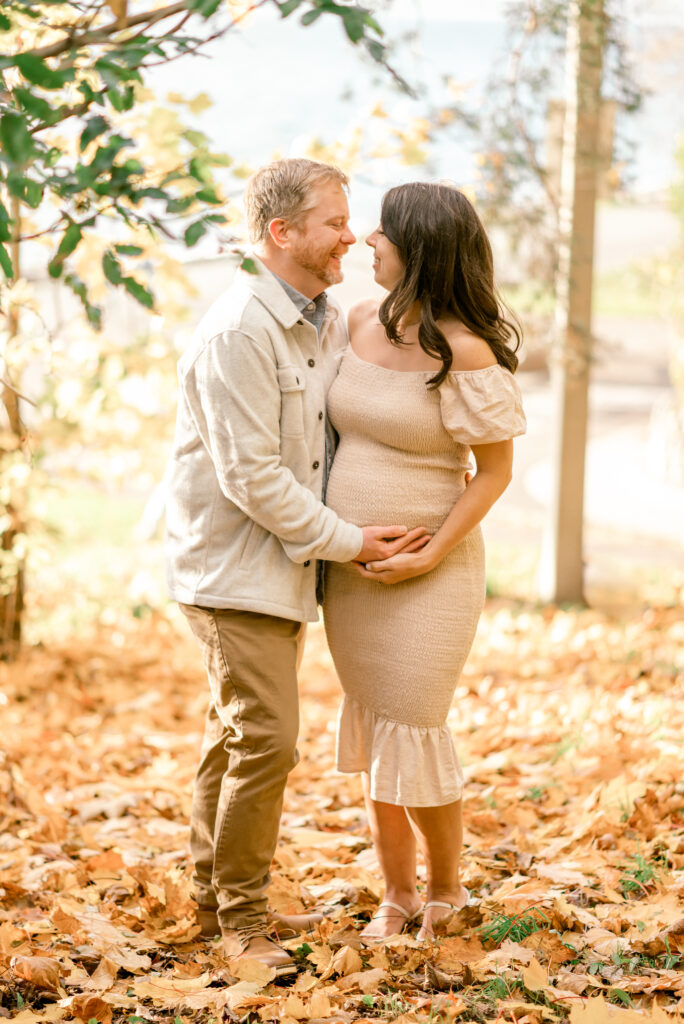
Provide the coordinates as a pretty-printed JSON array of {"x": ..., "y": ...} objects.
[{"x": 291, "y": 384}]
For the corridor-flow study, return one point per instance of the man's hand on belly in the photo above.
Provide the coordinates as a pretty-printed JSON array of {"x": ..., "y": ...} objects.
[{"x": 380, "y": 542}]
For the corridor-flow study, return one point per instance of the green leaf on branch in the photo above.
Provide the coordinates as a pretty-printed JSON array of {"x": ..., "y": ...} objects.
[
  {"x": 25, "y": 189},
  {"x": 194, "y": 137},
  {"x": 33, "y": 193},
  {"x": 249, "y": 266},
  {"x": 179, "y": 205},
  {"x": 112, "y": 268},
  {"x": 376, "y": 49},
  {"x": 39, "y": 73},
  {"x": 113, "y": 73},
  {"x": 94, "y": 313},
  {"x": 208, "y": 195},
  {"x": 15, "y": 138},
  {"x": 310, "y": 16},
  {"x": 354, "y": 21},
  {"x": 198, "y": 169},
  {"x": 372, "y": 23},
  {"x": 5, "y": 233},
  {"x": 128, "y": 250},
  {"x": 288, "y": 6},
  {"x": 94, "y": 128},
  {"x": 194, "y": 233},
  {"x": 36, "y": 106},
  {"x": 5, "y": 23},
  {"x": 70, "y": 239},
  {"x": 6, "y": 262},
  {"x": 204, "y": 7},
  {"x": 139, "y": 292},
  {"x": 123, "y": 100}
]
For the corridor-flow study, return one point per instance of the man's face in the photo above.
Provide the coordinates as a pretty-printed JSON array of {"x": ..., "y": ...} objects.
[{"x": 323, "y": 237}]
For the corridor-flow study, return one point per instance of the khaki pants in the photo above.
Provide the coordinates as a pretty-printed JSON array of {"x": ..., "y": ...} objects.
[{"x": 249, "y": 748}]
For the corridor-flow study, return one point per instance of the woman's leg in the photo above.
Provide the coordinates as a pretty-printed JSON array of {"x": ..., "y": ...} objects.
[
  {"x": 395, "y": 846},
  {"x": 440, "y": 833}
]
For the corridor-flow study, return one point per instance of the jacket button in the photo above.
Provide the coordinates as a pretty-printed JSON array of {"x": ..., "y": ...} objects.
[
  {"x": 307, "y": 564},
  {"x": 320, "y": 415},
  {"x": 316, "y": 464},
  {"x": 312, "y": 362}
]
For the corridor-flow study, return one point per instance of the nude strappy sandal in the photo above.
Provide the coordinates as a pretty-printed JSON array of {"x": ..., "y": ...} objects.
[
  {"x": 373, "y": 940},
  {"x": 423, "y": 935}
]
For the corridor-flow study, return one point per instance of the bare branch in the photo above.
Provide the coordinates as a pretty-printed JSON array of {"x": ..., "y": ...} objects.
[
  {"x": 6, "y": 384},
  {"x": 73, "y": 41}
]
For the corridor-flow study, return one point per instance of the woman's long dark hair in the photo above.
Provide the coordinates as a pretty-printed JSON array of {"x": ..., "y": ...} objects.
[{"x": 449, "y": 270}]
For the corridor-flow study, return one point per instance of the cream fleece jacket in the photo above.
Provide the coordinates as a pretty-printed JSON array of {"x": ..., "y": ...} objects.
[{"x": 245, "y": 521}]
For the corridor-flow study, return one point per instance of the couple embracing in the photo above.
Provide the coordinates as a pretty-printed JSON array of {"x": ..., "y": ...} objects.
[{"x": 281, "y": 407}]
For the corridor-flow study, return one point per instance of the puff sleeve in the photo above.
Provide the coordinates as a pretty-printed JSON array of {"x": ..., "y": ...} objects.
[{"x": 482, "y": 406}]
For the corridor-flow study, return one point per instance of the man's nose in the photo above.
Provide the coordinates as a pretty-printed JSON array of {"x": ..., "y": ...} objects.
[{"x": 348, "y": 237}]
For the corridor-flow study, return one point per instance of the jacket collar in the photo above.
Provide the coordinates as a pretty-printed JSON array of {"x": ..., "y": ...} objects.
[{"x": 266, "y": 287}]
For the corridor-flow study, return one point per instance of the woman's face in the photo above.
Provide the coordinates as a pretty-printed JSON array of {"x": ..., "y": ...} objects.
[{"x": 387, "y": 265}]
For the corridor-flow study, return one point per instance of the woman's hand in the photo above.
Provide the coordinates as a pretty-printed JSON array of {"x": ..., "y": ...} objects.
[{"x": 397, "y": 568}]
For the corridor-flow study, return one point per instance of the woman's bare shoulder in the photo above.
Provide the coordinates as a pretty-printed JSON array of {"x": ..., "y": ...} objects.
[
  {"x": 362, "y": 312},
  {"x": 470, "y": 352}
]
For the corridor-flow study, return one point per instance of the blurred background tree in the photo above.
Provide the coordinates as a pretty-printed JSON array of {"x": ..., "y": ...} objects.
[{"x": 95, "y": 180}]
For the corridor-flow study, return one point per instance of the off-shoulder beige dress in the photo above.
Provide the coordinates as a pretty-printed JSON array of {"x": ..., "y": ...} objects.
[{"x": 399, "y": 649}]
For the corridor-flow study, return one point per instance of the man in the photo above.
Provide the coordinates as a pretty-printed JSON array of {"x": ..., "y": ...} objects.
[{"x": 246, "y": 526}]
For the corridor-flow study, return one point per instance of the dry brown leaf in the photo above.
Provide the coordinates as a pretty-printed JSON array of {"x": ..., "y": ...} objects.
[
  {"x": 103, "y": 977},
  {"x": 598, "y": 1011},
  {"x": 11, "y": 938},
  {"x": 571, "y": 981},
  {"x": 42, "y": 971},
  {"x": 86, "y": 1008},
  {"x": 535, "y": 977},
  {"x": 366, "y": 981},
  {"x": 50, "y": 1012},
  {"x": 247, "y": 969},
  {"x": 345, "y": 961}
]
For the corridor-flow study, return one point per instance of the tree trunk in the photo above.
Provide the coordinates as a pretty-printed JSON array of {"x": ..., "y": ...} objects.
[
  {"x": 12, "y": 579},
  {"x": 562, "y": 573}
]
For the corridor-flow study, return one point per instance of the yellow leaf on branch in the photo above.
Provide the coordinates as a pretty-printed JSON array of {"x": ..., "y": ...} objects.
[{"x": 119, "y": 9}]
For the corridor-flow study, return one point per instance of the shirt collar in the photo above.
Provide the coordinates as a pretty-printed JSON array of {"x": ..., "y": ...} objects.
[
  {"x": 279, "y": 297},
  {"x": 312, "y": 310}
]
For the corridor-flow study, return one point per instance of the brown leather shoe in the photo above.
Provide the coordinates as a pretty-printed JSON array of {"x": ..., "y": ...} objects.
[
  {"x": 287, "y": 926},
  {"x": 253, "y": 943}
]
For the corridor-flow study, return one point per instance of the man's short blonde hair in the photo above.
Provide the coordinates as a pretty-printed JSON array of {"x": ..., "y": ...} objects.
[{"x": 285, "y": 188}]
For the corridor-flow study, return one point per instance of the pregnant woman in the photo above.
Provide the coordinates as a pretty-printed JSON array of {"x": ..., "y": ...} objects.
[{"x": 428, "y": 377}]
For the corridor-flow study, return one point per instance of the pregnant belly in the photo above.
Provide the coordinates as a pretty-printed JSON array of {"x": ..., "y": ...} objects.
[{"x": 382, "y": 486}]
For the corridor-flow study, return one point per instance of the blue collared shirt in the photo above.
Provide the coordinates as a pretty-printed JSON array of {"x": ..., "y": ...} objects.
[{"x": 313, "y": 310}]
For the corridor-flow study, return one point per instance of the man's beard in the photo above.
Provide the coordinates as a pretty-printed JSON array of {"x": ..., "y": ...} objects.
[{"x": 317, "y": 263}]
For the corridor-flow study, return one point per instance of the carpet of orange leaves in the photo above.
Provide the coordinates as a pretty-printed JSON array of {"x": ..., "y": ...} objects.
[{"x": 570, "y": 727}]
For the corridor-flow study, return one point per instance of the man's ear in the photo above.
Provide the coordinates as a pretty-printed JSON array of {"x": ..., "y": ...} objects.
[{"x": 279, "y": 230}]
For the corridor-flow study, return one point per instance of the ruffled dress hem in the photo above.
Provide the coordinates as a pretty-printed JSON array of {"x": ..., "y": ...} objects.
[{"x": 408, "y": 765}]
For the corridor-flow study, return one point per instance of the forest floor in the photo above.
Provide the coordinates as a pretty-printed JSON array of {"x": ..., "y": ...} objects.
[{"x": 570, "y": 725}]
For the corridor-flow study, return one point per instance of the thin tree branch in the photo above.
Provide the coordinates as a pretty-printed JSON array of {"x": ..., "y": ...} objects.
[
  {"x": 73, "y": 41},
  {"x": 6, "y": 384}
]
